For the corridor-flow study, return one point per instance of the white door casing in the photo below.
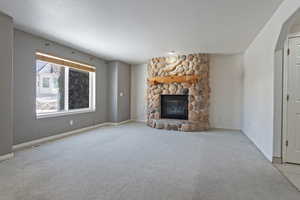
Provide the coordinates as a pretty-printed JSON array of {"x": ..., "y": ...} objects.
[{"x": 292, "y": 143}]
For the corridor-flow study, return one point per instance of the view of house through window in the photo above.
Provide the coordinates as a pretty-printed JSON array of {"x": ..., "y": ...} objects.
[{"x": 61, "y": 88}]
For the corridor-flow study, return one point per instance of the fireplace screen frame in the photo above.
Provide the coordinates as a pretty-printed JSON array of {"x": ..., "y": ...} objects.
[{"x": 165, "y": 115}]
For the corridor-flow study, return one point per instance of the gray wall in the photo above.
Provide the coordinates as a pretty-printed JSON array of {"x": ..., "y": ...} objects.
[
  {"x": 124, "y": 73},
  {"x": 119, "y": 82},
  {"x": 112, "y": 112},
  {"x": 6, "y": 83},
  {"x": 138, "y": 92},
  {"x": 27, "y": 127}
]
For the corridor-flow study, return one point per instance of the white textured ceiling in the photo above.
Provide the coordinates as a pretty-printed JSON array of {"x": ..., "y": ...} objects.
[{"x": 136, "y": 30}]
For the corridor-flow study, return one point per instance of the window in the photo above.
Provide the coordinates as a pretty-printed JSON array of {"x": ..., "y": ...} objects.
[
  {"x": 46, "y": 82},
  {"x": 55, "y": 83},
  {"x": 63, "y": 86}
]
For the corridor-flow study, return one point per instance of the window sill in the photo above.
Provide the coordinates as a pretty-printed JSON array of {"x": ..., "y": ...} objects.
[{"x": 64, "y": 113}]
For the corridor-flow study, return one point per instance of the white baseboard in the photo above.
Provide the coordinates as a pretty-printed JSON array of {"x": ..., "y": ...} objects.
[
  {"x": 120, "y": 123},
  {"x": 277, "y": 160},
  {"x": 139, "y": 120},
  {"x": 225, "y": 129},
  {"x": 6, "y": 157},
  {"x": 63, "y": 135}
]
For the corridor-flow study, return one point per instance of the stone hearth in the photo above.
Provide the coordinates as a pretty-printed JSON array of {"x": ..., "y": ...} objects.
[{"x": 179, "y": 75}]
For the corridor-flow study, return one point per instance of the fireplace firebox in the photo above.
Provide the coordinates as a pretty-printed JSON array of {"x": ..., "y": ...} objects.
[{"x": 174, "y": 107}]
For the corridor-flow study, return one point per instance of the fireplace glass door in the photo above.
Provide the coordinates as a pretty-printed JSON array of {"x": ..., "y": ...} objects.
[{"x": 174, "y": 107}]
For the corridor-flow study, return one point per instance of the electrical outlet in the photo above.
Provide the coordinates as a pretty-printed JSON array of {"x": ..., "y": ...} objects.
[
  {"x": 71, "y": 122},
  {"x": 121, "y": 94}
]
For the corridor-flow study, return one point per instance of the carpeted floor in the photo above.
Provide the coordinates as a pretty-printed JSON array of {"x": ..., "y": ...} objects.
[{"x": 135, "y": 162}]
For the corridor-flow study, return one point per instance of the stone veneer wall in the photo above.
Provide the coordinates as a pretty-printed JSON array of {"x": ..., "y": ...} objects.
[{"x": 199, "y": 92}]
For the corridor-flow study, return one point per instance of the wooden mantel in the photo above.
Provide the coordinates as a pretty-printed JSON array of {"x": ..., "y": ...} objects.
[{"x": 174, "y": 79}]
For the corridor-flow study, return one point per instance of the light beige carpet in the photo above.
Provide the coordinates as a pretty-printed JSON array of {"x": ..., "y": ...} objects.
[{"x": 135, "y": 162}]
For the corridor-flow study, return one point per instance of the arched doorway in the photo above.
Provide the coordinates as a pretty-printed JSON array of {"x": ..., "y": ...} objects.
[{"x": 286, "y": 132}]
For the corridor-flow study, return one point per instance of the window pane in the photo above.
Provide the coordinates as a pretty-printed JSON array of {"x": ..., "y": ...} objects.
[
  {"x": 79, "y": 86},
  {"x": 55, "y": 83},
  {"x": 46, "y": 82},
  {"x": 50, "y": 85}
]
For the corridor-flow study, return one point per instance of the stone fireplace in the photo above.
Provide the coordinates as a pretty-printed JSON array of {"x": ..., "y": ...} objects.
[{"x": 178, "y": 92}]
